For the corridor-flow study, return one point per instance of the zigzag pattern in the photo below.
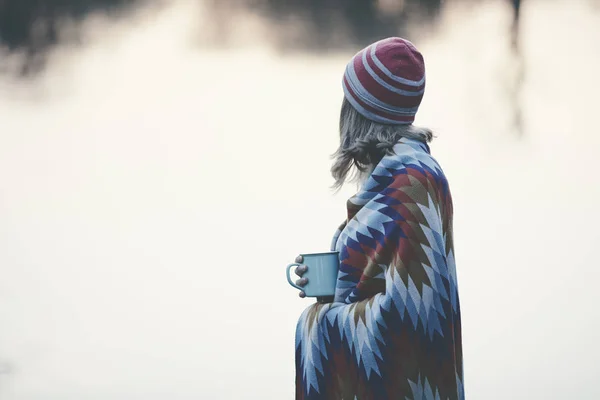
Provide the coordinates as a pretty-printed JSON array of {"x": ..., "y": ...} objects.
[{"x": 393, "y": 331}]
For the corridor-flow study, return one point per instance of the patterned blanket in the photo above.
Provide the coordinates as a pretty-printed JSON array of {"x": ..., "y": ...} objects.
[{"x": 393, "y": 331}]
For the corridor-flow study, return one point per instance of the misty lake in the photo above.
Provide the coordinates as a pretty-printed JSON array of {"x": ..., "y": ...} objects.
[{"x": 152, "y": 190}]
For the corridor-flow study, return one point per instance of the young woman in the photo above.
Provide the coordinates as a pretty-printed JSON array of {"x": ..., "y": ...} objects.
[{"x": 393, "y": 329}]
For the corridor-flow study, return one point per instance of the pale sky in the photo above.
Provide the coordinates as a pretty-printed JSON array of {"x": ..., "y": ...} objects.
[{"x": 152, "y": 193}]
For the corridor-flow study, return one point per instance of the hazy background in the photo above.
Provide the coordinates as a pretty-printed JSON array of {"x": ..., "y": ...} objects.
[{"x": 162, "y": 162}]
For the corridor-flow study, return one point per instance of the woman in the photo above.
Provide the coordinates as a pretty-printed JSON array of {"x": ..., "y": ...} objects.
[{"x": 393, "y": 329}]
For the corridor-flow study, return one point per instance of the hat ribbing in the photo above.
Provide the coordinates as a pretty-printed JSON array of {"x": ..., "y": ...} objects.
[{"x": 385, "y": 81}]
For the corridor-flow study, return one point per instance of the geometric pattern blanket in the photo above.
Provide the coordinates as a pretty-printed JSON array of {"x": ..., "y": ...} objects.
[{"x": 393, "y": 330}]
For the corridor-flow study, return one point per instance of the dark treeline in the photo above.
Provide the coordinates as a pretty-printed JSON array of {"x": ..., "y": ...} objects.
[
  {"x": 33, "y": 23},
  {"x": 361, "y": 21},
  {"x": 31, "y": 26}
]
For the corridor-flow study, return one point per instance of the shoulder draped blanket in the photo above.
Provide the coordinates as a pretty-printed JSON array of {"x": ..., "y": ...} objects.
[{"x": 393, "y": 330}]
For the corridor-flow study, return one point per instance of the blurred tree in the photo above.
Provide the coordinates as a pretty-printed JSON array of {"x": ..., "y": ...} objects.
[
  {"x": 360, "y": 21},
  {"x": 32, "y": 25},
  {"x": 34, "y": 22},
  {"x": 516, "y": 18},
  {"x": 516, "y": 86}
]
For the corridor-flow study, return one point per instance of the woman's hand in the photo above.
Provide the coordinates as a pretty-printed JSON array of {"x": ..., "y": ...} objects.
[{"x": 301, "y": 270}]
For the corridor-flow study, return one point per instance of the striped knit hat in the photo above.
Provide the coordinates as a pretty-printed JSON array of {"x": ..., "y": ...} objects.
[{"x": 385, "y": 82}]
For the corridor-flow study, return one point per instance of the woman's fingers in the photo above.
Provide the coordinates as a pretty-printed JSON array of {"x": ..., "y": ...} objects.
[
  {"x": 301, "y": 270},
  {"x": 302, "y": 282}
]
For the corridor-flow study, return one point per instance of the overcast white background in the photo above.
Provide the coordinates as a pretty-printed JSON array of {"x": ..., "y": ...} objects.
[{"x": 152, "y": 191}]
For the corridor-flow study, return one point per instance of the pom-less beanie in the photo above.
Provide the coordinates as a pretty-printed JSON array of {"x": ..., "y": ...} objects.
[{"x": 385, "y": 81}]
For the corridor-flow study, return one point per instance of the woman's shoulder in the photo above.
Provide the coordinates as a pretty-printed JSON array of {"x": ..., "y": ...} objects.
[{"x": 411, "y": 153}]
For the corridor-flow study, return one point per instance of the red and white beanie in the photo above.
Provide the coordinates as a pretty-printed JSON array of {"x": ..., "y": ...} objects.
[{"x": 385, "y": 81}]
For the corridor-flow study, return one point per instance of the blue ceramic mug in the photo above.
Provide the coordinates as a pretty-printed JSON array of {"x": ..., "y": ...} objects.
[{"x": 322, "y": 272}]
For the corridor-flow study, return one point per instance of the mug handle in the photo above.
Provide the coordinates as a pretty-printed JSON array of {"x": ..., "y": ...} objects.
[{"x": 287, "y": 272}]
